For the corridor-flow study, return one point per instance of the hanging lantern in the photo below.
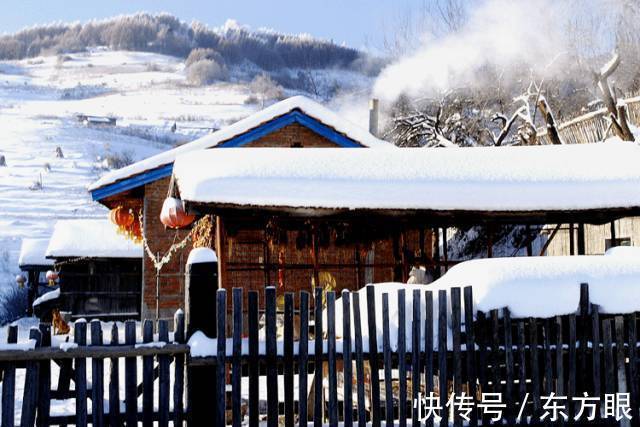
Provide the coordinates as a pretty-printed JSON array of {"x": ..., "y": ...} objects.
[
  {"x": 121, "y": 216},
  {"x": 173, "y": 214},
  {"x": 52, "y": 276},
  {"x": 20, "y": 280}
]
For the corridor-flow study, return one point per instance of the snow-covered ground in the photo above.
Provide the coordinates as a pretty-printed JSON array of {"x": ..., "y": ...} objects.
[{"x": 39, "y": 100}]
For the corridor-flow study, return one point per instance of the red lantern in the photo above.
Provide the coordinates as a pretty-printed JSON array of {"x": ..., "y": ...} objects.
[
  {"x": 173, "y": 214},
  {"x": 121, "y": 217}
]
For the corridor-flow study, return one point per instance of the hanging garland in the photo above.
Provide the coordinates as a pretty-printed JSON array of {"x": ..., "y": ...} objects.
[{"x": 159, "y": 262}]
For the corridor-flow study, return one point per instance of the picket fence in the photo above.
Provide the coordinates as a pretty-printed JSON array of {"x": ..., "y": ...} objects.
[{"x": 297, "y": 365}]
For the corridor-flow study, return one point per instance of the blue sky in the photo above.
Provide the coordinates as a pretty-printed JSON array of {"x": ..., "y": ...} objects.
[{"x": 358, "y": 23}]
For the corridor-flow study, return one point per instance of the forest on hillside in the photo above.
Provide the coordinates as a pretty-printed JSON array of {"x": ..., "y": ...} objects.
[{"x": 167, "y": 34}]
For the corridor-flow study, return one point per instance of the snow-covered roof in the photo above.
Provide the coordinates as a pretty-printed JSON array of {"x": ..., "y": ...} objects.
[
  {"x": 529, "y": 178},
  {"x": 94, "y": 238},
  {"x": 301, "y": 103},
  {"x": 32, "y": 252}
]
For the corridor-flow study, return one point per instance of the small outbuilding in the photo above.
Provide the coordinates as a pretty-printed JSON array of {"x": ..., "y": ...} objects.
[
  {"x": 34, "y": 264},
  {"x": 100, "y": 271}
]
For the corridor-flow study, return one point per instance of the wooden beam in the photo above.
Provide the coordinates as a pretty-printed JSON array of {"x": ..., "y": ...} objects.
[
  {"x": 581, "y": 241},
  {"x": 613, "y": 234},
  {"x": 220, "y": 251},
  {"x": 445, "y": 249},
  {"x": 572, "y": 239},
  {"x": 314, "y": 254}
]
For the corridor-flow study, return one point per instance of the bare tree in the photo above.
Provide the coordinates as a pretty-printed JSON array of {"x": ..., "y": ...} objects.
[{"x": 617, "y": 110}]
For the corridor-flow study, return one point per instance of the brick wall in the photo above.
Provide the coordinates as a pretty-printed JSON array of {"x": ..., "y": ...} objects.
[{"x": 160, "y": 240}]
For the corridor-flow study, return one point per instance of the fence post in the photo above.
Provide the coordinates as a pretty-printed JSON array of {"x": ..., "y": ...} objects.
[{"x": 201, "y": 284}]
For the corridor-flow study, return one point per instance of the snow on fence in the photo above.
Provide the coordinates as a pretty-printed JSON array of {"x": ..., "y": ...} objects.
[
  {"x": 591, "y": 127},
  {"x": 70, "y": 384},
  {"x": 310, "y": 368},
  {"x": 299, "y": 364}
]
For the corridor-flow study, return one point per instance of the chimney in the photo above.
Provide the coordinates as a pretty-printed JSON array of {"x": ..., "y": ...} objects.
[{"x": 373, "y": 116}]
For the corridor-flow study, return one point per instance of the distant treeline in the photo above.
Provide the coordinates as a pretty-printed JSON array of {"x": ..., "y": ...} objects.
[{"x": 166, "y": 34}]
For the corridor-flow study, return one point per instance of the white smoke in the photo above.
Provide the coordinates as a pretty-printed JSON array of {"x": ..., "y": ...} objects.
[{"x": 498, "y": 33}]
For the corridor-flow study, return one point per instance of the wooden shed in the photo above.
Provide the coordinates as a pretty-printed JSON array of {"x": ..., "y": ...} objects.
[
  {"x": 34, "y": 264},
  {"x": 100, "y": 271}
]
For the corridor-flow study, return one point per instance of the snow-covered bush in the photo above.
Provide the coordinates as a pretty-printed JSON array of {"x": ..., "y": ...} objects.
[
  {"x": 200, "y": 54},
  {"x": 118, "y": 160},
  {"x": 13, "y": 304},
  {"x": 265, "y": 89},
  {"x": 205, "y": 72}
]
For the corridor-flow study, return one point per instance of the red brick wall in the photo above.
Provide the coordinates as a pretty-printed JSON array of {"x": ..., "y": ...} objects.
[{"x": 160, "y": 240}]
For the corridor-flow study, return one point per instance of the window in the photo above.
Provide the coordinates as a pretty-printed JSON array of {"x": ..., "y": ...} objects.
[{"x": 620, "y": 241}]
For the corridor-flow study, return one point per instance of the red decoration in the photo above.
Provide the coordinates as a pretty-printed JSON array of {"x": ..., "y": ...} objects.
[
  {"x": 173, "y": 214},
  {"x": 121, "y": 217}
]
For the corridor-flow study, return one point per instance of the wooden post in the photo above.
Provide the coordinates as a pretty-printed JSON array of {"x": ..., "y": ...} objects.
[
  {"x": 220, "y": 246},
  {"x": 613, "y": 234},
  {"x": 314, "y": 255},
  {"x": 529, "y": 241},
  {"x": 581, "y": 242},
  {"x": 436, "y": 253},
  {"x": 572, "y": 243},
  {"x": 445, "y": 249},
  {"x": 201, "y": 284}
]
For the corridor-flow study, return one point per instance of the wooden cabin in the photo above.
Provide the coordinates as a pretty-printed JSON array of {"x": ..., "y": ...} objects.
[
  {"x": 296, "y": 122},
  {"x": 314, "y": 209},
  {"x": 100, "y": 271},
  {"x": 34, "y": 264}
]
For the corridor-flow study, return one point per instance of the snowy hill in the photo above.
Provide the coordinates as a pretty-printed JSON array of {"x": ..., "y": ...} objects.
[{"x": 147, "y": 93}]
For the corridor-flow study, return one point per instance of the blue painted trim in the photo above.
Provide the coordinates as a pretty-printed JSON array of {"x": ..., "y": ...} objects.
[
  {"x": 271, "y": 126},
  {"x": 132, "y": 182}
]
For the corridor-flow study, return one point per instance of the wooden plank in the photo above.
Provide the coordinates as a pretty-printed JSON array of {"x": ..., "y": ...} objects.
[
  {"x": 548, "y": 358},
  {"x": 560, "y": 388},
  {"x": 272, "y": 367},
  {"x": 571, "y": 364},
  {"x": 609, "y": 366},
  {"x": 373, "y": 357},
  {"x": 221, "y": 354},
  {"x": 97, "y": 378},
  {"x": 254, "y": 364},
  {"x": 44, "y": 389},
  {"x": 416, "y": 324},
  {"x": 442, "y": 355},
  {"x": 522, "y": 367},
  {"x": 30, "y": 395},
  {"x": 620, "y": 356},
  {"x": 114, "y": 381},
  {"x": 595, "y": 339},
  {"x": 428, "y": 348},
  {"x": 288, "y": 360},
  {"x": 331, "y": 347},
  {"x": 147, "y": 377},
  {"x": 471, "y": 350},
  {"x": 585, "y": 327},
  {"x": 303, "y": 351},
  {"x": 178, "y": 385},
  {"x": 236, "y": 370},
  {"x": 164, "y": 381},
  {"x": 130, "y": 377},
  {"x": 317, "y": 360},
  {"x": 9, "y": 383},
  {"x": 633, "y": 368},
  {"x": 346, "y": 357},
  {"x": 495, "y": 351},
  {"x": 80, "y": 338},
  {"x": 509, "y": 369},
  {"x": 535, "y": 368},
  {"x": 481, "y": 339},
  {"x": 388, "y": 363},
  {"x": 456, "y": 319},
  {"x": 402, "y": 358},
  {"x": 357, "y": 326}
]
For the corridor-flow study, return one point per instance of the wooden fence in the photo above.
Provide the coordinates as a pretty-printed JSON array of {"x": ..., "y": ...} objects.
[
  {"x": 347, "y": 375},
  {"x": 300, "y": 364},
  {"x": 591, "y": 127},
  {"x": 74, "y": 361}
]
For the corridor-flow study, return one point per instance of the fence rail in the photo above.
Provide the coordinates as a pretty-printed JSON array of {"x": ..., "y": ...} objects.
[
  {"x": 362, "y": 358},
  {"x": 591, "y": 127},
  {"x": 361, "y": 371}
]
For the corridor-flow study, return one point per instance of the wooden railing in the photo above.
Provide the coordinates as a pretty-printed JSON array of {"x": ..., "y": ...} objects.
[
  {"x": 590, "y": 127},
  {"x": 365, "y": 371},
  {"x": 72, "y": 362}
]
